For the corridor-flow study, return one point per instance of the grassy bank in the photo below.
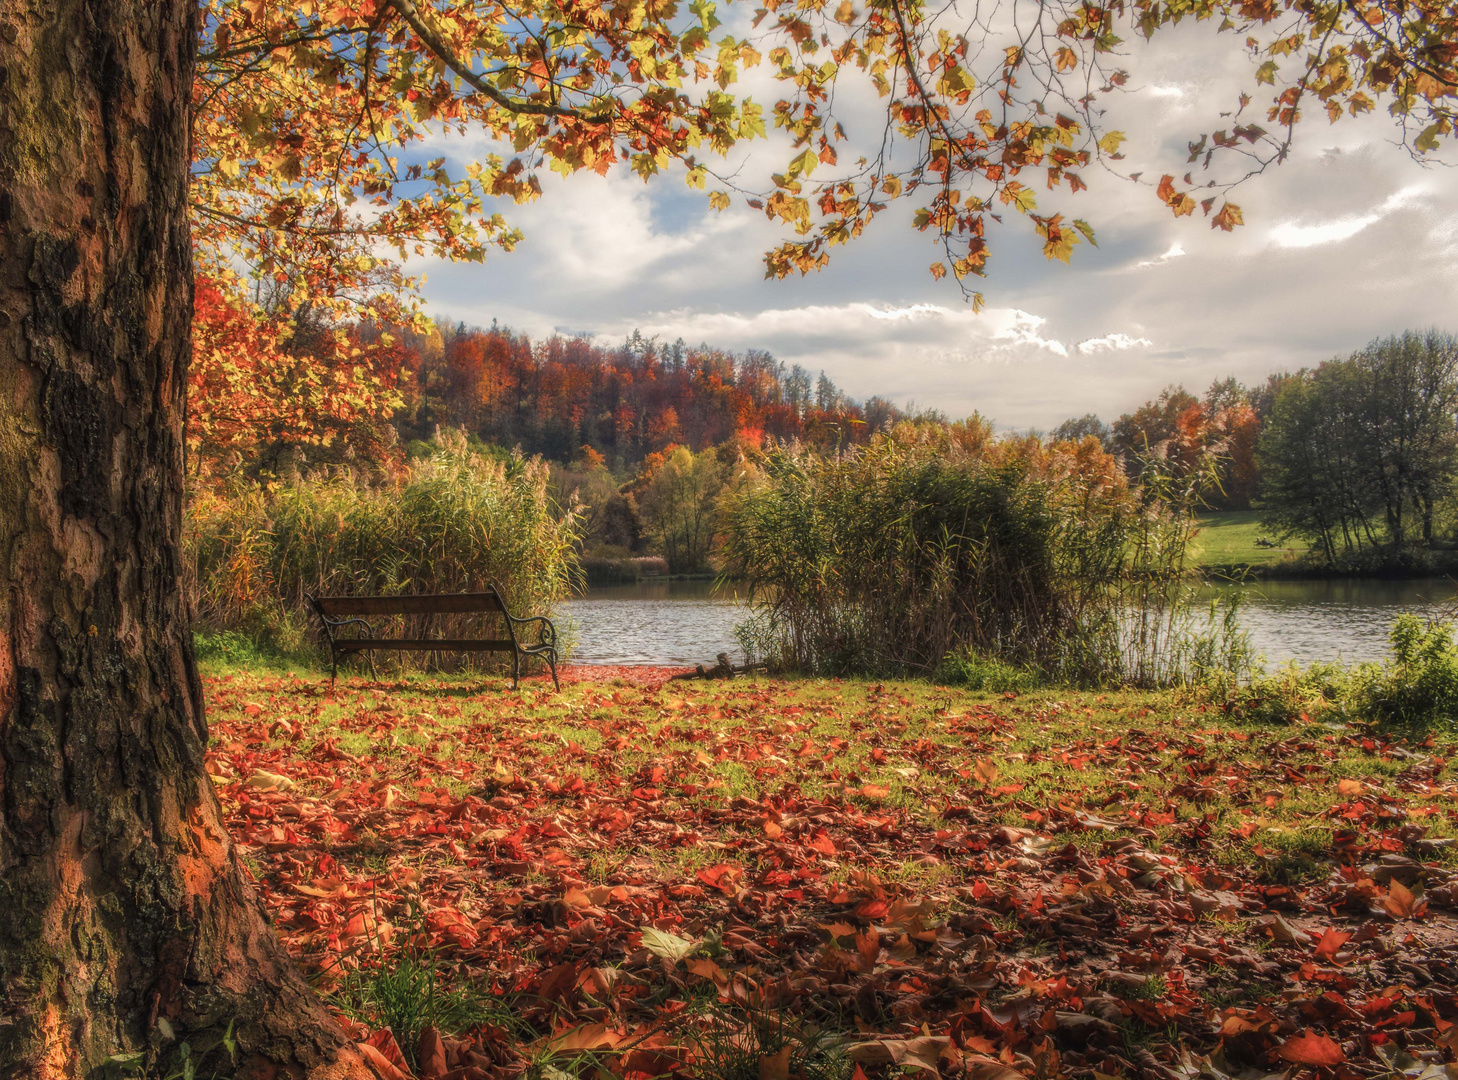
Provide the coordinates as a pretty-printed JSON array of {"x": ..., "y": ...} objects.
[
  {"x": 1063, "y": 883},
  {"x": 1229, "y": 538},
  {"x": 1226, "y": 546}
]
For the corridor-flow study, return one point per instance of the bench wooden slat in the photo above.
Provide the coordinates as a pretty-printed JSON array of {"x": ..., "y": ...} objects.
[
  {"x": 438, "y": 604},
  {"x": 426, "y": 644}
]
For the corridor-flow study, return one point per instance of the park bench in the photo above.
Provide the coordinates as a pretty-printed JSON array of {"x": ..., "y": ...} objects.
[{"x": 338, "y": 612}]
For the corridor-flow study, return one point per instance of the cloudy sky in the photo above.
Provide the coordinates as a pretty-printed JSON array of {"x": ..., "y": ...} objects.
[{"x": 1348, "y": 240}]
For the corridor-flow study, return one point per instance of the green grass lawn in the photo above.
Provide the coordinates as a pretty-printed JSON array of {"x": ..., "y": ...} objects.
[
  {"x": 1229, "y": 537},
  {"x": 669, "y": 878}
]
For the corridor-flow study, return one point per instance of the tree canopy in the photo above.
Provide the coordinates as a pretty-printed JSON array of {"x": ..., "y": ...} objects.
[{"x": 305, "y": 110}]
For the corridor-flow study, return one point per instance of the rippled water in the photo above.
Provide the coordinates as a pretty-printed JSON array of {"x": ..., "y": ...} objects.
[
  {"x": 1308, "y": 621},
  {"x": 689, "y": 622},
  {"x": 655, "y": 622}
]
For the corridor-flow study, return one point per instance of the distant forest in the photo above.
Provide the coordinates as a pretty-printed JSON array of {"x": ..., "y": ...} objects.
[
  {"x": 562, "y": 396},
  {"x": 1358, "y": 455}
]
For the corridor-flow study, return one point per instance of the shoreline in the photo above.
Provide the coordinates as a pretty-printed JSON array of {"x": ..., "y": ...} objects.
[{"x": 1236, "y": 573}]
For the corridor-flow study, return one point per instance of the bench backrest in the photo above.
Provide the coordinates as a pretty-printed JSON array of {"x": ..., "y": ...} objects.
[{"x": 430, "y": 604}]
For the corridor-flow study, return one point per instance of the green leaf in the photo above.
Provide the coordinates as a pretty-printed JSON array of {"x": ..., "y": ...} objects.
[
  {"x": 803, "y": 165},
  {"x": 1428, "y": 140},
  {"x": 123, "y": 1064},
  {"x": 669, "y": 946}
]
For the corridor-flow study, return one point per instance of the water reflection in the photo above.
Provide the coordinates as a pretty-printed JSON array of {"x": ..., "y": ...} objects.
[{"x": 689, "y": 622}]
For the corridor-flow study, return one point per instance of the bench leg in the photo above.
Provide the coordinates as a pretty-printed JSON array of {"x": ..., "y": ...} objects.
[
  {"x": 552, "y": 663},
  {"x": 515, "y": 668}
]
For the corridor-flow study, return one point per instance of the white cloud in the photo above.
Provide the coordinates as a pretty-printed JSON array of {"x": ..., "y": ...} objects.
[
  {"x": 911, "y": 312},
  {"x": 1111, "y": 343},
  {"x": 1024, "y": 328},
  {"x": 1176, "y": 250},
  {"x": 1290, "y": 235}
]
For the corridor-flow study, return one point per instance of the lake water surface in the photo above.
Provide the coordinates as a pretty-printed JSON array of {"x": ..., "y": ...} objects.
[
  {"x": 689, "y": 622},
  {"x": 654, "y": 622}
]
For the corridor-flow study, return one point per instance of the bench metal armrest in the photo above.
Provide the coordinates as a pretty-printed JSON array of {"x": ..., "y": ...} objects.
[
  {"x": 331, "y": 624},
  {"x": 548, "y": 637}
]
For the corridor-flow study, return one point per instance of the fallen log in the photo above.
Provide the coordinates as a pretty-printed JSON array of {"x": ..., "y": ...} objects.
[{"x": 724, "y": 669}]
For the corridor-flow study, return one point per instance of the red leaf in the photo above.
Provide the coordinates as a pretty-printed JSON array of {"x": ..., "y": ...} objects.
[
  {"x": 1311, "y": 1048},
  {"x": 430, "y": 1052},
  {"x": 380, "y": 1063},
  {"x": 1332, "y": 940},
  {"x": 383, "y": 1040}
]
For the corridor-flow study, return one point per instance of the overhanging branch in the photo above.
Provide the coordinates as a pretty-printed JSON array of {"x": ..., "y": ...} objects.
[{"x": 433, "y": 41}]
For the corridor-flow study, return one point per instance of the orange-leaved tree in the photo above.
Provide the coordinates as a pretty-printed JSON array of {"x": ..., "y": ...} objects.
[{"x": 259, "y": 388}]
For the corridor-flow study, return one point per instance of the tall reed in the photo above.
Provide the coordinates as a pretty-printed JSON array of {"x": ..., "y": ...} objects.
[
  {"x": 456, "y": 522},
  {"x": 937, "y": 542}
]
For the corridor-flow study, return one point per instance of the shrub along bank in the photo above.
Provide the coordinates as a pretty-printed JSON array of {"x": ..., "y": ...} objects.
[
  {"x": 942, "y": 542},
  {"x": 455, "y": 522}
]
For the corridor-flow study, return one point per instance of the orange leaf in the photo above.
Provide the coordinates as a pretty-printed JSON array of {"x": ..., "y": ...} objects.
[
  {"x": 1311, "y": 1048},
  {"x": 1330, "y": 942},
  {"x": 586, "y": 1037},
  {"x": 776, "y": 1066},
  {"x": 1402, "y": 903},
  {"x": 982, "y": 1067}
]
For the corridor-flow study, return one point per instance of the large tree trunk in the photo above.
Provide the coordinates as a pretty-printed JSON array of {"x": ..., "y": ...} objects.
[{"x": 126, "y": 924}]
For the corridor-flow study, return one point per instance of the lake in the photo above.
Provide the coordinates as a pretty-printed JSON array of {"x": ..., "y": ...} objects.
[{"x": 689, "y": 622}]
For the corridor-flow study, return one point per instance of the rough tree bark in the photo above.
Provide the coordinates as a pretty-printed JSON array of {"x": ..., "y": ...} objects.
[{"x": 126, "y": 924}]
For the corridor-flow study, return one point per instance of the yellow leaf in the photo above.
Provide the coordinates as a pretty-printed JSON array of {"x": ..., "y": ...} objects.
[{"x": 267, "y": 781}]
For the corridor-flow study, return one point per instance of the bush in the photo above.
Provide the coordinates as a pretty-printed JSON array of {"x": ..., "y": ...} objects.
[
  {"x": 938, "y": 541},
  {"x": 1285, "y": 696},
  {"x": 1419, "y": 685},
  {"x": 458, "y": 521}
]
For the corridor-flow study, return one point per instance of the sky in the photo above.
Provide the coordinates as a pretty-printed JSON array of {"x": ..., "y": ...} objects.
[{"x": 1346, "y": 241}]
